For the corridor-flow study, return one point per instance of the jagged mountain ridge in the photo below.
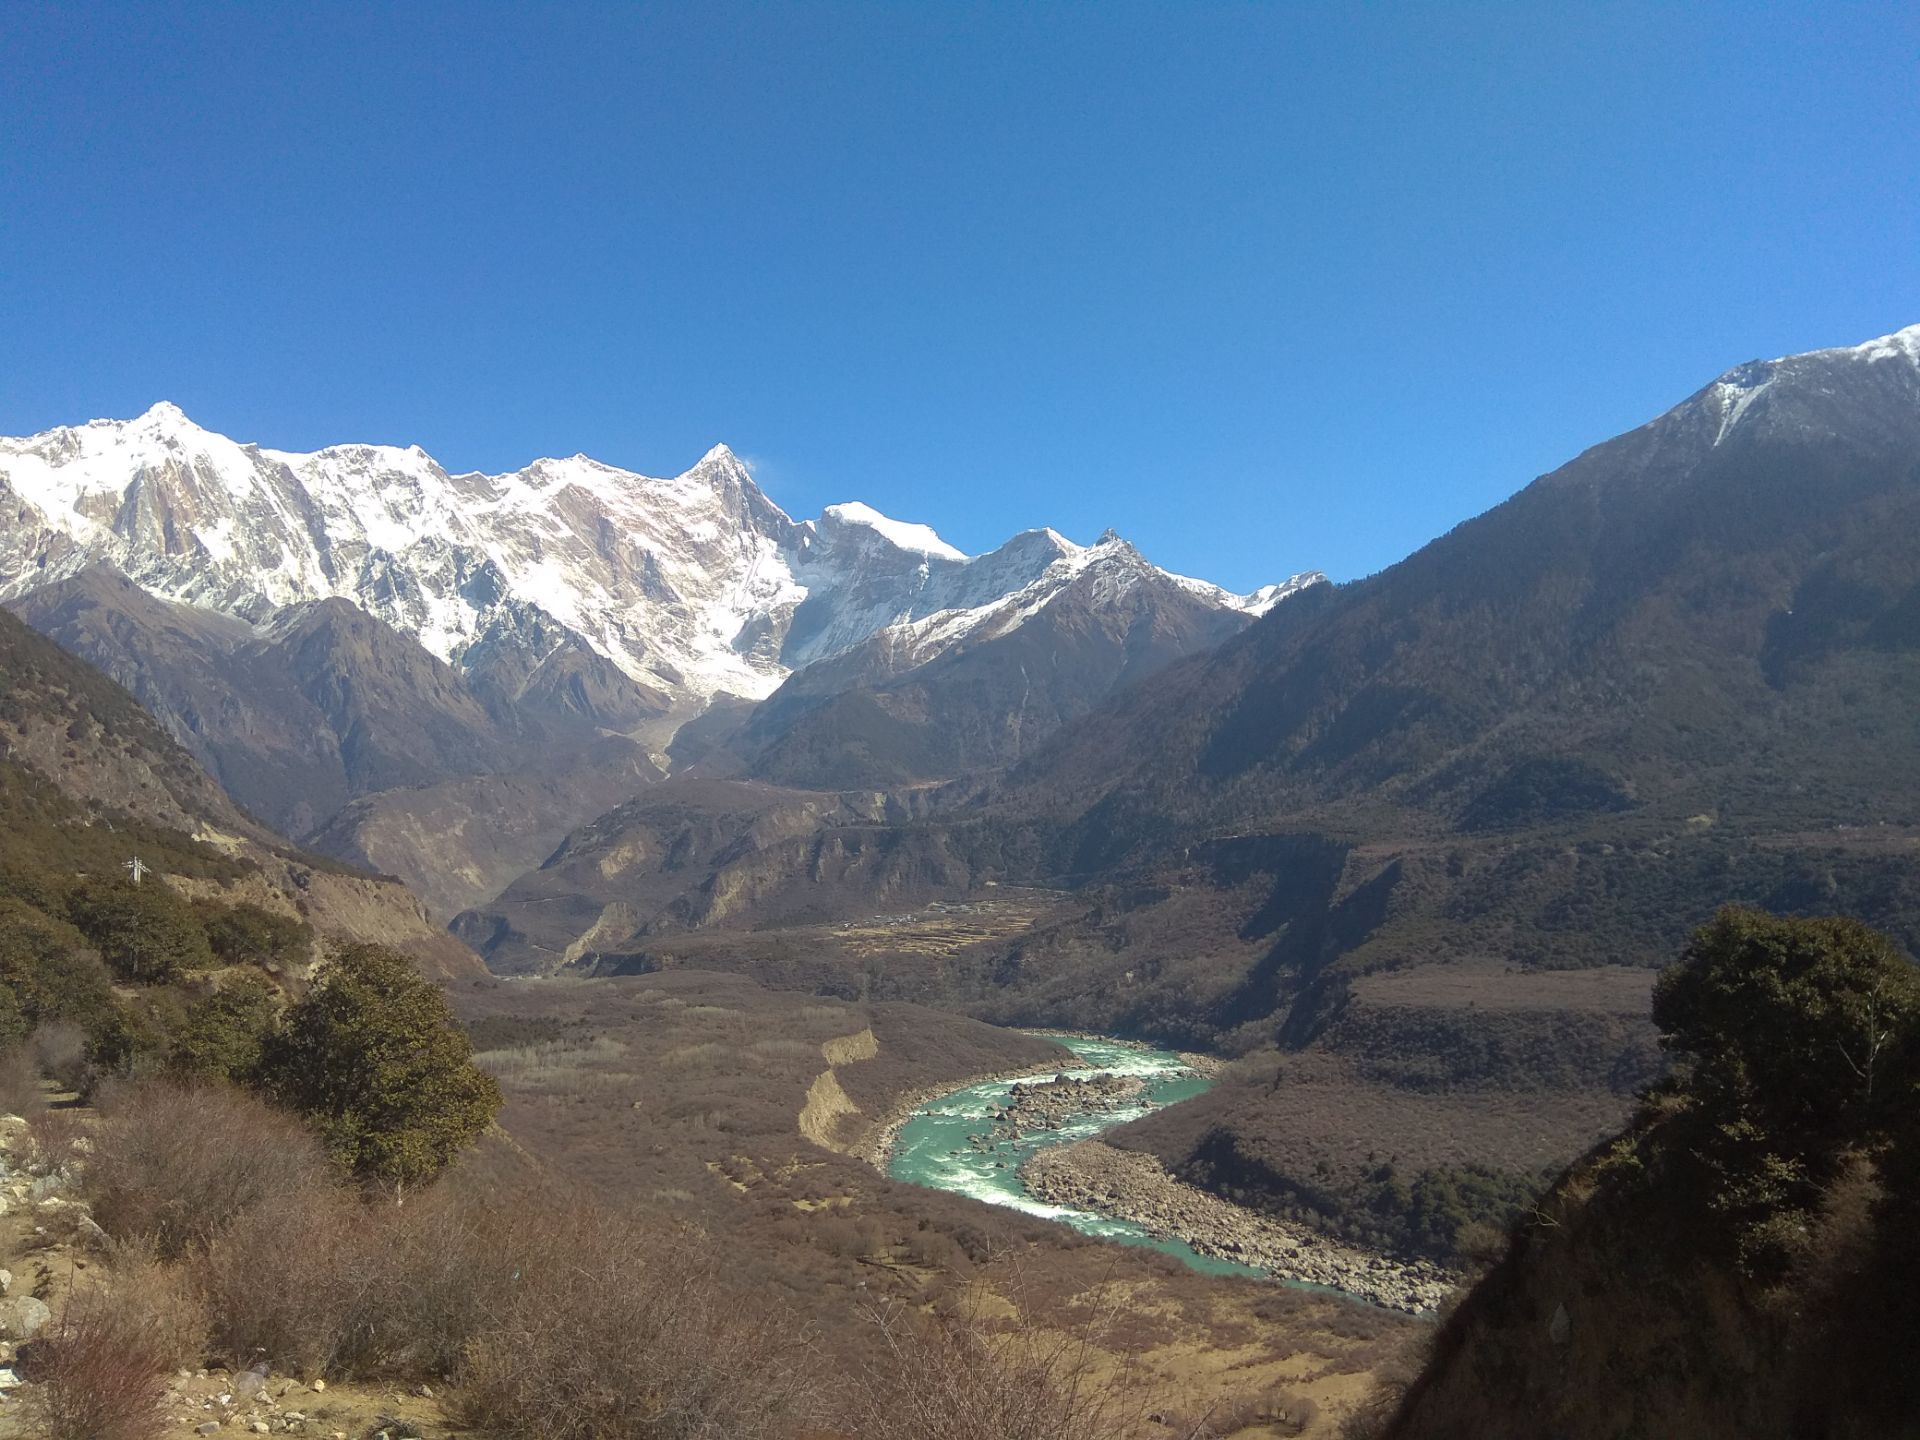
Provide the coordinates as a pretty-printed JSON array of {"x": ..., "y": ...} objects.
[
  {"x": 967, "y": 691},
  {"x": 691, "y": 586}
]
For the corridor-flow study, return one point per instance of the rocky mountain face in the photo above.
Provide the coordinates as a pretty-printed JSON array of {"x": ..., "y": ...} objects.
[
  {"x": 329, "y": 725},
  {"x": 293, "y": 718},
  {"x": 690, "y": 586},
  {"x": 965, "y": 691},
  {"x": 695, "y": 853}
]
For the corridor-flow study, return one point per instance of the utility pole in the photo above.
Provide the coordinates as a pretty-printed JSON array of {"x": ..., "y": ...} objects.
[{"x": 136, "y": 867}]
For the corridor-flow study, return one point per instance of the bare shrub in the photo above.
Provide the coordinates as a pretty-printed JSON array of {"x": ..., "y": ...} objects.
[
  {"x": 56, "y": 1138},
  {"x": 100, "y": 1372},
  {"x": 1277, "y": 1409},
  {"x": 20, "y": 1092},
  {"x": 706, "y": 1052},
  {"x": 435, "y": 1273},
  {"x": 177, "y": 1163},
  {"x": 157, "y": 1301},
  {"x": 367, "y": 1290},
  {"x": 288, "y": 1279},
  {"x": 963, "y": 1378},
  {"x": 787, "y": 1049},
  {"x": 550, "y": 1311},
  {"x": 625, "y": 1333}
]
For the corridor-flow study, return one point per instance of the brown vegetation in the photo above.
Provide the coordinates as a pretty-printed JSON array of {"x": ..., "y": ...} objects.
[
  {"x": 622, "y": 1331},
  {"x": 697, "y": 1269},
  {"x": 965, "y": 1378},
  {"x": 174, "y": 1165},
  {"x": 100, "y": 1371}
]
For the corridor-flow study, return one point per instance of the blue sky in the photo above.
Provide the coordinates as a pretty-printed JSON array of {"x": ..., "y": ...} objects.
[{"x": 1264, "y": 287}]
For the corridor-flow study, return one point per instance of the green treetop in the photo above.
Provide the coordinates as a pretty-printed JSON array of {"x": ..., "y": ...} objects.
[{"x": 373, "y": 1059}]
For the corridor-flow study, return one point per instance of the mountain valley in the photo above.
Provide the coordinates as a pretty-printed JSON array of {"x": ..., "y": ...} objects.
[{"x": 709, "y": 791}]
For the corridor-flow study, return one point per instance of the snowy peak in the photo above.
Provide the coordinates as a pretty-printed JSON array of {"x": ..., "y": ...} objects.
[
  {"x": 692, "y": 585},
  {"x": 1900, "y": 345},
  {"x": 1259, "y": 602},
  {"x": 1819, "y": 391},
  {"x": 162, "y": 414},
  {"x": 919, "y": 539}
]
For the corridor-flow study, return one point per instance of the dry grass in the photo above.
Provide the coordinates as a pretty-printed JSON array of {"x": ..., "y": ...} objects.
[
  {"x": 554, "y": 1318},
  {"x": 360, "y": 1290},
  {"x": 156, "y": 1301},
  {"x": 966, "y": 1376}
]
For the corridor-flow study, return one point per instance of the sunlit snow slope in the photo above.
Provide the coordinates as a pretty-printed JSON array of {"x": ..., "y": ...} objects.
[{"x": 694, "y": 585}]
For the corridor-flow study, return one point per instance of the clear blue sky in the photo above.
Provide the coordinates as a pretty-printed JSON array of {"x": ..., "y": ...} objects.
[{"x": 1265, "y": 287}]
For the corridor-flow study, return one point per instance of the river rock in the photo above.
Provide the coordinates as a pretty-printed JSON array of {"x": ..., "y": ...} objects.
[
  {"x": 1048, "y": 1104},
  {"x": 22, "y": 1316},
  {"x": 1136, "y": 1187}
]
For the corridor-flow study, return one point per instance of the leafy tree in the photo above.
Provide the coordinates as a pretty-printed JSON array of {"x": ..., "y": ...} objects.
[
  {"x": 373, "y": 1058},
  {"x": 1797, "y": 1037},
  {"x": 146, "y": 933},
  {"x": 226, "y": 1034},
  {"x": 1797, "y": 1022},
  {"x": 248, "y": 935}
]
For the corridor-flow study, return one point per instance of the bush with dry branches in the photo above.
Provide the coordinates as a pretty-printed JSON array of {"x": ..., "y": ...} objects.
[
  {"x": 100, "y": 1372},
  {"x": 968, "y": 1377},
  {"x": 177, "y": 1163},
  {"x": 613, "y": 1330}
]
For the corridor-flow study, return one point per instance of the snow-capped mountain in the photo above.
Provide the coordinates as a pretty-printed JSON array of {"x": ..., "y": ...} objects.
[
  {"x": 976, "y": 687},
  {"x": 693, "y": 586}
]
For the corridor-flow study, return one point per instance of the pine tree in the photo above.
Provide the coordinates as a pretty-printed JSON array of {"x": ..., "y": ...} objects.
[{"x": 373, "y": 1059}]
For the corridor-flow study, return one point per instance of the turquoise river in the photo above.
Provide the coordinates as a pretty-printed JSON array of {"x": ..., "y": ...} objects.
[{"x": 935, "y": 1147}]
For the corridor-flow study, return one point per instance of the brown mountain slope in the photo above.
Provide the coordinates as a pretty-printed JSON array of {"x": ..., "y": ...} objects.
[
  {"x": 1683, "y": 669},
  {"x": 693, "y": 854},
  {"x": 98, "y": 780},
  {"x": 337, "y": 729},
  {"x": 328, "y": 704},
  {"x": 1741, "y": 1261}
]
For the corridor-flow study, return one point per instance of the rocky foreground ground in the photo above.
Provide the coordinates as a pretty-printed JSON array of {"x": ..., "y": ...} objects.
[
  {"x": 1091, "y": 1175},
  {"x": 51, "y": 1250}
]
